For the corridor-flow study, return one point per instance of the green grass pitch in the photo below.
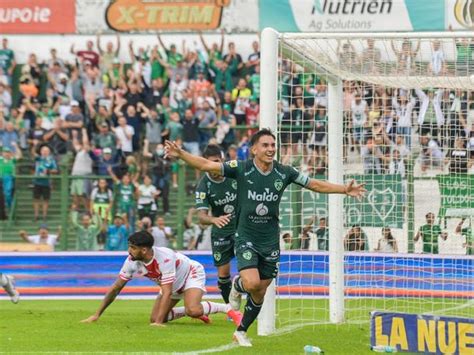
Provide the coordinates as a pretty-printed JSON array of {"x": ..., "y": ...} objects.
[{"x": 53, "y": 326}]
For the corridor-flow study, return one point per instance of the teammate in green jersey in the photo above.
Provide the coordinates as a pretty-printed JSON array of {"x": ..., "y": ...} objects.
[
  {"x": 261, "y": 183},
  {"x": 219, "y": 194},
  {"x": 468, "y": 232},
  {"x": 429, "y": 233}
]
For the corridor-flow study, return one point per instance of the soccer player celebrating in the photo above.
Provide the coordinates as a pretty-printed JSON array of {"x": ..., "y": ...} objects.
[
  {"x": 220, "y": 195},
  {"x": 261, "y": 182},
  {"x": 8, "y": 284},
  {"x": 178, "y": 276}
]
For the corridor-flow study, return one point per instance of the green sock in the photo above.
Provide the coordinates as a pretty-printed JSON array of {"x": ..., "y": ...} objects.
[
  {"x": 252, "y": 309},
  {"x": 224, "y": 284}
]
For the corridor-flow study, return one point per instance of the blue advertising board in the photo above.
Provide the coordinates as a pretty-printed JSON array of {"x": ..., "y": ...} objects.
[{"x": 422, "y": 333}]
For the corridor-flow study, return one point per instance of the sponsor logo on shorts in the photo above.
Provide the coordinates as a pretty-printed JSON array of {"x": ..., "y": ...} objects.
[{"x": 247, "y": 255}]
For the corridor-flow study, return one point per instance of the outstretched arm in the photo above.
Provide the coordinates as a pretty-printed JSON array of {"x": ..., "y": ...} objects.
[
  {"x": 351, "y": 189},
  {"x": 109, "y": 297},
  {"x": 174, "y": 151}
]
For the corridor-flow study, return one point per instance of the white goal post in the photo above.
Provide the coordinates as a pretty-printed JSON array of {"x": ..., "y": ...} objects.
[{"x": 319, "y": 53}]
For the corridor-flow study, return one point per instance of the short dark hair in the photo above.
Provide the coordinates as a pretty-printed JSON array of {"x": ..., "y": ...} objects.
[
  {"x": 141, "y": 239},
  {"x": 263, "y": 132},
  {"x": 212, "y": 150}
]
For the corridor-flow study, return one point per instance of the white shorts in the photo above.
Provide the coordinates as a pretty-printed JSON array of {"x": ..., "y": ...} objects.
[{"x": 195, "y": 279}]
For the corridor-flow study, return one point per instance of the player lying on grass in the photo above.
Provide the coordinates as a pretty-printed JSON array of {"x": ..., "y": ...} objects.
[
  {"x": 260, "y": 184},
  {"x": 8, "y": 284},
  {"x": 219, "y": 194},
  {"x": 178, "y": 277}
]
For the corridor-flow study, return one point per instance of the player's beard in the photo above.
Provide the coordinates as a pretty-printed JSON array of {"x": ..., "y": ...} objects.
[{"x": 135, "y": 258}]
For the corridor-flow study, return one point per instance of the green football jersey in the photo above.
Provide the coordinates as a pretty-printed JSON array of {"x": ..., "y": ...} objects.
[
  {"x": 259, "y": 196},
  {"x": 469, "y": 234},
  {"x": 126, "y": 195},
  {"x": 221, "y": 198},
  {"x": 429, "y": 234}
]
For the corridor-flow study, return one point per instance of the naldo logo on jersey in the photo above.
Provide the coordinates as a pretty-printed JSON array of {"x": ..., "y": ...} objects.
[
  {"x": 266, "y": 196},
  {"x": 226, "y": 200}
]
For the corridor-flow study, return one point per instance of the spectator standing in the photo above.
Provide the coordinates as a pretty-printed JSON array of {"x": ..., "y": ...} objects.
[
  {"x": 431, "y": 153},
  {"x": 464, "y": 59},
  {"x": 359, "y": 112},
  {"x": 371, "y": 56},
  {"x": 87, "y": 55},
  {"x": 117, "y": 233},
  {"x": 173, "y": 56},
  {"x": 430, "y": 117},
  {"x": 191, "y": 133},
  {"x": 348, "y": 58},
  {"x": 372, "y": 157},
  {"x": 82, "y": 166},
  {"x": 225, "y": 134},
  {"x": 241, "y": 96},
  {"x": 320, "y": 236},
  {"x": 232, "y": 58},
  {"x": 86, "y": 231},
  {"x": 43, "y": 236},
  {"x": 162, "y": 234},
  {"x": 147, "y": 194},
  {"x": 437, "y": 64},
  {"x": 35, "y": 137},
  {"x": 160, "y": 171},
  {"x": 429, "y": 234},
  {"x": 8, "y": 161},
  {"x": 74, "y": 121},
  {"x": 8, "y": 136},
  {"x": 252, "y": 115},
  {"x": 459, "y": 157},
  {"x": 105, "y": 139},
  {"x": 125, "y": 197},
  {"x": 406, "y": 56},
  {"x": 202, "y": 237},
  {"x": 403, "y": 115},
  {"x": 57, "y": 138},
  {"x": 468, "y": 232},
  {"x": 124, "y": 134},
  {"x": 253, "y": 60},
  {"x": 101, "y": 200},
  {"x": 356, "y": 240},
  {"x": 387, "y": 244},
  {"x": 45, "y": 165},
  {"x": 207, "y": 120},
  {"x": 7, "y": 62},
  {"x": 105, "y": 161},
  {"x": 107, "y": 57},
  {"x": 174, "y": 128}
]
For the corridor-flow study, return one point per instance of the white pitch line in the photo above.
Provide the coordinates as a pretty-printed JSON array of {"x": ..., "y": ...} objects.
[
  {"x": 210, "y": 350},
  {"x": 464, "y": 305}
]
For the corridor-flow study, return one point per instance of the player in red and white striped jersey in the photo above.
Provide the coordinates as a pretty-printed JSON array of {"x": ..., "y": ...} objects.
[{"x": 178, "y": 277}]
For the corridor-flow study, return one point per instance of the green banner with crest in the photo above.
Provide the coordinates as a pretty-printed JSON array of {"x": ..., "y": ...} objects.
[{"x": 383, "y": 204}]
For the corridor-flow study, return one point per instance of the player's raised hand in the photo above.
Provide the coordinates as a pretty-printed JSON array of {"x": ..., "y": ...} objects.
[
  {"x": 91, "y": 319},
  {"x": 172, "y": 150},
  {"x": 355, "y": 190},
  {"x": 221, "y": 221}
]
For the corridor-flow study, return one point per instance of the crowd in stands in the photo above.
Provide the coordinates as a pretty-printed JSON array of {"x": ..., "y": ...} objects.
[{"x": 110, "y": 117}]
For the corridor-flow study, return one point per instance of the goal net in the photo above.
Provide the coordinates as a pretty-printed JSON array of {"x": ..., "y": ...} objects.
[{"x": 396, "y": 112}]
